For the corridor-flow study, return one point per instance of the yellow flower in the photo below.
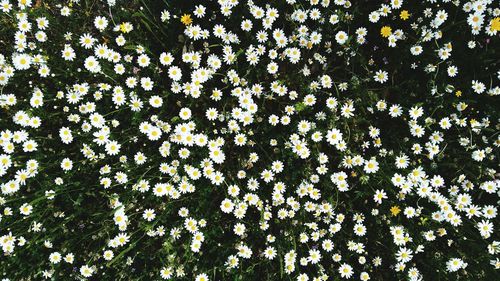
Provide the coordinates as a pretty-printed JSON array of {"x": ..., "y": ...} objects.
[
  {"x": 395, "y": 210},
  {"x": 495, "y": 24},
  {"x": 126, "y": 27},
  {"x": 404, "y": 15},
  {"x": 458, "y": 93},
  {"x": 385, "y": 31},
  {"x": 186, "y": 19}
]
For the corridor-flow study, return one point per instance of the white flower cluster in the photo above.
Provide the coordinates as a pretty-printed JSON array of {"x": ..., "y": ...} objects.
[{"x": 303, "y": 140}]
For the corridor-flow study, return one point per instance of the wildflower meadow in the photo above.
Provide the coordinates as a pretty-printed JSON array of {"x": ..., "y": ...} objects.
[{"x": 306, "y": 140}]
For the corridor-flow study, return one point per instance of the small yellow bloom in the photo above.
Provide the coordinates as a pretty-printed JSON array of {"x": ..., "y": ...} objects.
[
  {"x": 386, "y": 31},
  {"x": 395, "y": 210},
  {"x": 186, "y": 19},
  {"x": 126, "y": 27},
  {"x": 495, "y": 24},
  {"x": 404, "y": 15},
  {"x": 458, "y": 93}
]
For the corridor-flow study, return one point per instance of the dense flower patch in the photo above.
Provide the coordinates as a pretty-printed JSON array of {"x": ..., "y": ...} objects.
[{"x": 249, "y": 140}]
